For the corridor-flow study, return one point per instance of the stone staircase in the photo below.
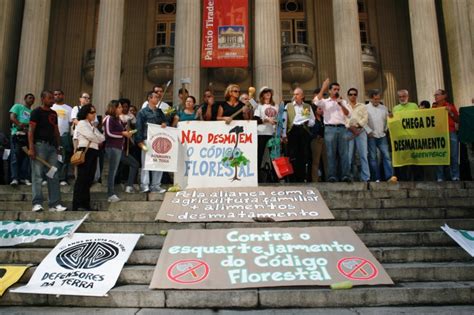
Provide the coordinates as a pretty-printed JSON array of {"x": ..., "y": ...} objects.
[{"x": 399, "y": 223}]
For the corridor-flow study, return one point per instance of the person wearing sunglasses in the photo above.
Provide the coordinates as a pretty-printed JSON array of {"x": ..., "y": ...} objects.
[
  {"x": 231, "y": 105},
  {"x": 356, "y": 134},
  {"x": 89, "y": 138}
]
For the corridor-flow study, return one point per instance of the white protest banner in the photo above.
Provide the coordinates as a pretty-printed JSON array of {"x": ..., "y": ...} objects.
[
  {"x": 265, "y": 257},
  {"x": 163, "y": 149},
  {"x": 85, "y": 264},
  {"x": 19, "y": 232},
  {"x": 465, "y": 239},
  {"x": 244, "y": 204},
  {"x": 216, "y": 154}
]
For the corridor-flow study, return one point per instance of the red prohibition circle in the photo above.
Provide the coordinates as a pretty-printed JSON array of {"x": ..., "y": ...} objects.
[
  {"x": 358, "y": 271},
  {"x": 188, "y": 271}
]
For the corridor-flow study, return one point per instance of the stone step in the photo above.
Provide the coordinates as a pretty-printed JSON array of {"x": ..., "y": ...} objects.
[
  {"x": 409, "y": 293},
  {"x": 419, "y": 310},
  {"x": 149, "y": 215},
  {"x": 406, "y": 239},
  {"x": 101, "y": 205},
  {"x": 150, "y": 256},
  {"x": 404, "y": 272}
]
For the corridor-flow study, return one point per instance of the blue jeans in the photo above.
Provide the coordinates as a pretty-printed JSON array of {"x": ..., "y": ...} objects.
[
  {"x": 336, "y": 142},
  {"x": 63, "y": 167},
  {"x": 116, "y": 156},
  {"x": 47, "y": 152},
  {"x": 454, "y": 165},
  {"x": 19, "y": 161},
  {"x": 145, "y": 176},
  {"x": 382, "y": 145},
  {"x": 360, "y": 142}
]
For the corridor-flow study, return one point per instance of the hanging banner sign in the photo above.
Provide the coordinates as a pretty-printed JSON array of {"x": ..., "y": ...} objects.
[
  {"x": 216, "y": 154},
  {"x": 19, "y": 232},
  {"x": 85, "y": 264},
  {"x": 225, "y": 33},
  {"x": 9, "y": 275},
  {"x": 246, "y": 204},
  {"x": 420, "y": 137},
  {"x": 465, "y": 239},
  {"x": 265, "y": 257},
  {"x": 162, "y": 144}
]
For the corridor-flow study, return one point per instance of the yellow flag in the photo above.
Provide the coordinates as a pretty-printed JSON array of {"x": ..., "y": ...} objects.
[
  {"x": 420, "y": 137},
  {"x": 9, "y": 275}
]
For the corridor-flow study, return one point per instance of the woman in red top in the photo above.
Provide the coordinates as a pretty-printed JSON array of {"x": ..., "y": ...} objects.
[{"x": 453, "y": 118}]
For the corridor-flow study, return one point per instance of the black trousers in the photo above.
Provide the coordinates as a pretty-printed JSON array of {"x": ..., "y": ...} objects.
[
  {"x": 298, "y": 151},
  {"x": 85, "y": 177},
  {"x": 262, "y": 144}
]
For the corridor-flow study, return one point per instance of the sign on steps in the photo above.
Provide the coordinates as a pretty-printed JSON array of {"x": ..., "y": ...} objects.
[
  {"x": 84, "y": 264},
  {"x": 465, "y": 239},
  {"x": 271, "y": 203},
  {"x": 9, "y": 275},
  {"x": 19, "y": 232},
  {"x": 272, "y": 257}
]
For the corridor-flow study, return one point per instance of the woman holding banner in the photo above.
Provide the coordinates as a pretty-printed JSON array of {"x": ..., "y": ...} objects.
[{"x": 232, "y": 105}]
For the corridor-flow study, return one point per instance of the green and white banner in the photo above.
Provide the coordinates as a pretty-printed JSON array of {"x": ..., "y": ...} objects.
[
  {"x": 465, "y": 239},
  {"x": 19, "y": 232}
]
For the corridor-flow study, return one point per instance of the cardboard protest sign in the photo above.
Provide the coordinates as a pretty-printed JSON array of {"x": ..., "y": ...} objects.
[
  {"x": 85, "y": 264},
  {"x": 274, "y": 203},
  {"x": 9, "y": 275},
  {"x": 272, "y": 257},
  {"x": 216, "y": 154},
  {"x": 19, "y": 232},
  {"x": 420, "y": 137},
  {"x": 162, "y": 144},
  {"x": 465, "y": 239}
]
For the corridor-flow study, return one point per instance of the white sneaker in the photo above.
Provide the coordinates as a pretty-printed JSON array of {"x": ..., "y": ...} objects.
[
  {"x": 145, "y": 190},
  {"x": 158, "y": 190},
  {"x": 58, "y": 208},
  {"x": 63, "y": 183},
  {"x": 14, "y": 182},
  {"x": 27, "y": 182},
  {"x": 44, "y": 183},
  {"x": 377, "y": 181},
  {"x": 129, "y": 190},
  {"x": 37, "y": 208},
  {"x": 113, "y": 198}
]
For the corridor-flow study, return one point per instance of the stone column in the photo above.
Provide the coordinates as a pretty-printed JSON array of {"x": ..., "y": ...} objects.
[
  {"x": 10, "y": 31},
  {"x": 426, "y": 48},
  {"x": 267, "y": 47},
  {"x": 33, "y": 48},
  {"x": 348, "y": 47},
  {"x": 108, "y": 53},
  {"x": 187, "y": 47},
  {"x": 460, "y": 50}
]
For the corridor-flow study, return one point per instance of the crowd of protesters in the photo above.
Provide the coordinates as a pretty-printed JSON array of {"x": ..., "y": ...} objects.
[{"x": 330, "y": 138}]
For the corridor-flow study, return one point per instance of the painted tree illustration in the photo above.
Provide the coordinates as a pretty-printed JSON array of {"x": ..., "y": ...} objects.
[{"x": 234, "y": 157}]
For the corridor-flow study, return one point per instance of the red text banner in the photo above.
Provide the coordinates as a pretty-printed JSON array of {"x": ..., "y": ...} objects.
[{"x": 225, "y": 37}]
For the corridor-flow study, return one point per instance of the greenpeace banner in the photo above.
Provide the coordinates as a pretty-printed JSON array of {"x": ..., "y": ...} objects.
[
  {"x": 265, "y": 257},
  {"x": 19, "y": 232},
  {"x": 465, "y": 239},
  {"x": 84, "y": 264},
  {"x": 244, "y": 204},
  {"x": 225, "y": 33},
  {"x": 9, "y": 275},
  {"x": 420, "y": 137},
  {"x": 214, "y": 154},
  {"x": 162, "y": 154}
]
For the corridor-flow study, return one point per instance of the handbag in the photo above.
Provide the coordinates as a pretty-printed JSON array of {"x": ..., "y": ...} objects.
[{"x": 79, "y": 156}]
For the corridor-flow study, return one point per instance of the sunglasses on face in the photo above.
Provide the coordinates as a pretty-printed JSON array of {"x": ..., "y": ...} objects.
[
  {"x": 352, "y": 94},
  {"x": 235, "y": 91}
]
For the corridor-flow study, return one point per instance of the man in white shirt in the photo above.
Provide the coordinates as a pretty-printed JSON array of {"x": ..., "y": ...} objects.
[
  {"x": 298, "y": 118},
  {"x": 377, "y": 138},
  {"x": 64, "y": 125},
  {"x": 165, "y": 107},
  {"x": 335, "y": 110}
]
